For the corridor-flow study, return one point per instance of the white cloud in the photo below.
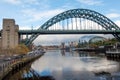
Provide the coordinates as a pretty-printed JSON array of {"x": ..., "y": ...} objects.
[
  {"x": 24, "y": 27},
  {"x": 31, "y": 2},
  {"x": 118, "y": 22},
  {"x": 13, "y": 1},
  {"x": 26, "y": 2},
  {"x": 90, "y": 2},
  {"x": 113, "y": 15},
  {"x": 36, "y": 15},
  {"x": 55, "y": 39}
]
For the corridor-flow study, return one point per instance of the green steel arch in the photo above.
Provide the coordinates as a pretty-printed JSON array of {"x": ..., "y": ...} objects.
[
  {"x": 79, "y": 13},
  {"x": 97, "y": 38}
]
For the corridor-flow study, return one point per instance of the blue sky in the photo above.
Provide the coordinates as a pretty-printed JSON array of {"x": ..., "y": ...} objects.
[{"x": 28, "y": 13}]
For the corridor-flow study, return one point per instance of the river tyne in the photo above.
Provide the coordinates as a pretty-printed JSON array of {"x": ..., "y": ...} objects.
[{"x": 62, "y": 65}]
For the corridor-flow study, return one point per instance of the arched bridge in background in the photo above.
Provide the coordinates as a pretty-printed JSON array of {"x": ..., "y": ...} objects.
[{"x": 75, "y": 21}]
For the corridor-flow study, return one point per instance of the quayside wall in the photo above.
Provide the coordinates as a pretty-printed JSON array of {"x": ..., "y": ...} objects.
[{"x": 18, "y": 64}]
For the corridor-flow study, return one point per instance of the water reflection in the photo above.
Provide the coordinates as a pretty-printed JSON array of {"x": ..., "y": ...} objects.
[
  {"x": 75, "y": 66},
  {"x": 27, "y": 73},
  {"x": 63, "y": 52},
  {"x": 62, "y": 65}
]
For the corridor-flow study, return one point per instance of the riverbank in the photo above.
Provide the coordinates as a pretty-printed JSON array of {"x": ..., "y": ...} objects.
[
  {"x": 100, "y": 50},
  {"x": 17, "y": 64}
]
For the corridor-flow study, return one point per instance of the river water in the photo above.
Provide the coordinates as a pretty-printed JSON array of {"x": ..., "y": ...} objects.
[{"x": 62, "y": 65}]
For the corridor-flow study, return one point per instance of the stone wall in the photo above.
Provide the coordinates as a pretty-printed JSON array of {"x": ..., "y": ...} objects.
[
  {"x": 9, "y": 34},
  {"x": 0, "y": 42}
]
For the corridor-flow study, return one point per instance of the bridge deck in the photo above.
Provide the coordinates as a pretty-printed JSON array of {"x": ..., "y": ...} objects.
[{"x": 69, "y": 31}]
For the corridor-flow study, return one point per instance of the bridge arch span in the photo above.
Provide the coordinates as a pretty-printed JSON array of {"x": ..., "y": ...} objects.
[
  {"x": 82, "y": 13},
  {"x": 78, "y": 13}
]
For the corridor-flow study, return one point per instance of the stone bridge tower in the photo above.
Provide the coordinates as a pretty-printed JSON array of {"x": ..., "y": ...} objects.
[{"x": 9, "y": 34}]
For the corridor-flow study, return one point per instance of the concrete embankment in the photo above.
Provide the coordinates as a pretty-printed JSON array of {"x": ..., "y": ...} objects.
[{"x": 17, "y": 64}]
